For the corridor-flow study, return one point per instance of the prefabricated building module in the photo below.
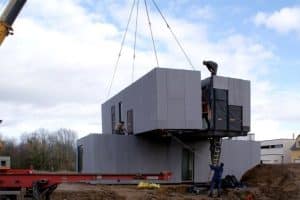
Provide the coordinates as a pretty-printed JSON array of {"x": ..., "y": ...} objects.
[
  {"x": 169, "y": 115},
  {"x": 178, "y": 102},
  {"x": 165, "y": 99}
]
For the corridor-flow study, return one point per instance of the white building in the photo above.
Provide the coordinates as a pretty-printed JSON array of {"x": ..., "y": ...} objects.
[{"x": 276, "y": 151}]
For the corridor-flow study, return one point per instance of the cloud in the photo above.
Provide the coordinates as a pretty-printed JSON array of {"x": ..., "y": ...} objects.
[
  {"x": 56, "y": 69},
  {"x": 285, "y": 20}
]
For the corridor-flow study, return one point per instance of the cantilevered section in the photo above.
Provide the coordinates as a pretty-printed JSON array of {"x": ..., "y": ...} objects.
[{"x": 176, "y": 102}]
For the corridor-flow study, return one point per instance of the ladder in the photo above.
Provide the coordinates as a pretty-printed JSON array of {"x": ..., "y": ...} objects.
[{"x": 215, "y": 150}]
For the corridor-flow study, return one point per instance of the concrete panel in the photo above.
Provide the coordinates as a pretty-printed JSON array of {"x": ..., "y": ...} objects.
[
  {"x": 193, "y": 100},
  {"x": 246, "y": 99},
  {"x": 220, "y": 82},
  {"x": 176, "y": 114},
  {"x": 162, "y": 98},
  {"x": 234, "y": 92},
  {"x": 239, "y": 156},
  {"x": 175, "y": 83}
]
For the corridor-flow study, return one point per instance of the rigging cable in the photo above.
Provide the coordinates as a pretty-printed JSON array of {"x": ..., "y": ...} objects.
[
  {"x": 174, "y": 35},
  {"x": 135, "y": 34},
  {"x": 121, "y": 48},
  {"x": 150, "y": 27}
]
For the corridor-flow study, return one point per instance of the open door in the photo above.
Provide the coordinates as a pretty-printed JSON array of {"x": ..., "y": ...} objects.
[{"x": 79, "y": 158}]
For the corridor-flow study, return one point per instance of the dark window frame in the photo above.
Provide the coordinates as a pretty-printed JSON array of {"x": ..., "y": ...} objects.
[
  {"x": 120, "y": 105},
  {"x": 3, "y": 163},
  {"x": 130, "y": 122},
  {"x": 113, "y": 118},
  {"x": 220, "y": 96}
]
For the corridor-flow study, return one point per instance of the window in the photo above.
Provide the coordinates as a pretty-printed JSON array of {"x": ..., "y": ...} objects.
[
  {"x": 113, "y": 119},
  {"x": 120, "y": 111},
  {"x": 265, "y": 147},
  {"x": 273, "y": 146},
  {"x": 278, "y": 146},
  {"x": 130, "y": 122},
  {"x": 3, "y": 163}
]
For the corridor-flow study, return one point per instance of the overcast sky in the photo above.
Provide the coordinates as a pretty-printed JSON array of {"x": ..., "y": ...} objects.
[{"x": 56, "y": 69}]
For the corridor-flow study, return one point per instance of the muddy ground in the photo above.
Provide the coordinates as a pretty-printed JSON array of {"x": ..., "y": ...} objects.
[{"x": 265, "y": 182}]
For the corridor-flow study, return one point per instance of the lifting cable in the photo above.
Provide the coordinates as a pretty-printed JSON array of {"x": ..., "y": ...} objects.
[
  {"x": 152, "y": 37},
  {"x": 121, "y": 48},
  {"x": 174, "y": 35},
  {"x": 135, "y": 35}
]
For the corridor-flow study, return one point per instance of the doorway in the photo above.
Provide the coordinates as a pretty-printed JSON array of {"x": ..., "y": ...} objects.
[{"x": 187, "y": 165}]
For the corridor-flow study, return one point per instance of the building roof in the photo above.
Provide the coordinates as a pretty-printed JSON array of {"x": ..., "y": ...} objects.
[{"x": 276, "y": 139}]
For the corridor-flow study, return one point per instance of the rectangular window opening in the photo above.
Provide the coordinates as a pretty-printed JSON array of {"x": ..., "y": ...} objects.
[
  {"x": 3, "y": 163},
  {"x": 130, "y": 122},
  {"x": 113, "y": 119},
  {"x": 120, "y": 111}
]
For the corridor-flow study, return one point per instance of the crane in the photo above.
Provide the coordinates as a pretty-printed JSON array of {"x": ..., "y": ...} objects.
[{"x": 8, "y": 17}]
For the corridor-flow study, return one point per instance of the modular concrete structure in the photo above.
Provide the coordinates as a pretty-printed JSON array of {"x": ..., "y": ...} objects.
[
  {"x": 177, "y": 101},
  {"x": 162, "y": 99},
  {"x": 105, "y": 153},
  {"x": 169, "y": 115}
]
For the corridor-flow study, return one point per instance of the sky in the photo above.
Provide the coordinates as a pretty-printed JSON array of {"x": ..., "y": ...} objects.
[{"x": 57, "y": 67}]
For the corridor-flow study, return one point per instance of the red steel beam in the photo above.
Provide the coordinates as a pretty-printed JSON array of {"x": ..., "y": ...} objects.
[{"x": 26, "y": 178}]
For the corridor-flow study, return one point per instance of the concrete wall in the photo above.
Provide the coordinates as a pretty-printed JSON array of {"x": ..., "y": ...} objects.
[
  {"x": 162, "y": 99},
  {"x": 105, "y": 153}
]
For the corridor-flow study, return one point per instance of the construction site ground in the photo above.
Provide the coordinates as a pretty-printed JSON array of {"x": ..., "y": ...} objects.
[{"x": 265, "y": 182}]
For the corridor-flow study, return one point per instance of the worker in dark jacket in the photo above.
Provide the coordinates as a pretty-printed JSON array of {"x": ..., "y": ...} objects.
[{"x": 216, "y": 179}]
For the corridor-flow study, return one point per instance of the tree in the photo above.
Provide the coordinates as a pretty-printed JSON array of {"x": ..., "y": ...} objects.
[{"x": 43, "y": 150}]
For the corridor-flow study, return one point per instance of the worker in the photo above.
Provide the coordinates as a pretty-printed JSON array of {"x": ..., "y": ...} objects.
[
  {"x": 121, "y": 129},
  {"x": 216, "y": 179}
]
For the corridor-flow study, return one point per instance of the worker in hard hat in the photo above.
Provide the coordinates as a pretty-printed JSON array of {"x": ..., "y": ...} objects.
[
  {"x": 216, "y": 180},
  {"x": 121, "y": 129}
]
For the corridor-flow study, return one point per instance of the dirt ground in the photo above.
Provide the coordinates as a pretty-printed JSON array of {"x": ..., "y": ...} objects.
[{"x": 265, "y": 182}]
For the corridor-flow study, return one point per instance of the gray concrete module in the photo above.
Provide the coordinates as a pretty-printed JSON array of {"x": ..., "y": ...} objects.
[
  {"x": 110, "y": 153},
  {"x": 162, "y": 99}
]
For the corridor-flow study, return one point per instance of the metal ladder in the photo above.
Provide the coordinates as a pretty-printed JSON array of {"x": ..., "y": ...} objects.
[{"x": 215, "y": 150}]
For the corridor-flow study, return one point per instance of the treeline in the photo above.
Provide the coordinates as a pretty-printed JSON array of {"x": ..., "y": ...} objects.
[{"x": 42, "y": 150}]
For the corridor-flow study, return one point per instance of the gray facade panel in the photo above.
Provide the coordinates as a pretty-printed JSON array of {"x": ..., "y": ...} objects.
[
  {"x": 104, "y": 153},
  {"x": 141, "y": 96},
  {"x": 220, "y": 82},
  {"x": 193, "y": 100},
  {"x": 162, "y": 99}
]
